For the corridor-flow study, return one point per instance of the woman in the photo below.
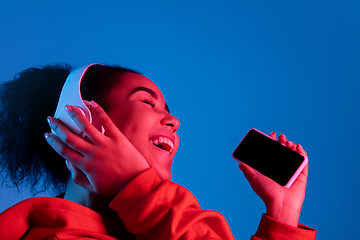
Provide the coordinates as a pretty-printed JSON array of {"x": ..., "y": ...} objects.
[{"x": 119, "y": 183}]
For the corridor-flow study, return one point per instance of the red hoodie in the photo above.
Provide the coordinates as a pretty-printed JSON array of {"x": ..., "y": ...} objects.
[{"x": 148, "y": 208}]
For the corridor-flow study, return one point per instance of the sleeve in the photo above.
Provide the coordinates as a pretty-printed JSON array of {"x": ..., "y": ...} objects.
[
  {"x": 270, "y": 229},
  {"x": 153, "y": 209},
  {"x": 13, "y": 223}
]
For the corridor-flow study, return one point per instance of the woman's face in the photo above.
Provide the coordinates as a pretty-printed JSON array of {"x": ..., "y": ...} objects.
[{"x": 138, "y": 109}]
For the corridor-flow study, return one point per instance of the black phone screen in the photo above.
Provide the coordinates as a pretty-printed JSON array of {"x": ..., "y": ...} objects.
[{"x": 268, "y": 157}]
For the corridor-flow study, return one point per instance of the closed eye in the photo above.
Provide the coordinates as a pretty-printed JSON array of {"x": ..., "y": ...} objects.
[{"x": 150, "y": 102}]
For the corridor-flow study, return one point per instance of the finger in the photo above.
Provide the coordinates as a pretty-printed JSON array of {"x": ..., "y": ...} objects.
[
  {"x": 282, "y": 139},
  {"x": 291, "y": 145},
  {"x": 273, "y": 135},
  {"x": 69, "y": 138},
  {"x": 62, "y": 149},
  {"x": 80, "y": 178},
  {"x": 110, "y": 128},
  {"x": 83, "y": 123},
  {"x": 302, "y": 178},
  {"x": 300, "y": 150}
]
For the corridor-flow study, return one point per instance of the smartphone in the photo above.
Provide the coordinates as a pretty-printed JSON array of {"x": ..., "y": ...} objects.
[{"x": 270, "y": 158}]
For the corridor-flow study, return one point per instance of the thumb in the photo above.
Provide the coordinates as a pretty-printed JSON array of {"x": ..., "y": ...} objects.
[
  {"x": 249, "y": 173},
  {"x": 79, "y": 177},
  {"x": 258, "y": 182}
]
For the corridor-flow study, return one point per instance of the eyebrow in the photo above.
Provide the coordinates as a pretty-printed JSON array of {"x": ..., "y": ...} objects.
[{"x": 152, "y": 93}]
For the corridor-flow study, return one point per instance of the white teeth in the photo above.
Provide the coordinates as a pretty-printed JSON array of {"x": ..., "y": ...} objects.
[{"x": 165, "y": 140}]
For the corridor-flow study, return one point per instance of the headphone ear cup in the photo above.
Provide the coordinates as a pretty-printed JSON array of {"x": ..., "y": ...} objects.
[
  {"x": 71, "y": 94},
  {"x": 66, "y": 120}
]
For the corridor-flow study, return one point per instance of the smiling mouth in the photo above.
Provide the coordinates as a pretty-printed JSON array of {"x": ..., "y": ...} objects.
[{"x": 163, "y": 143}]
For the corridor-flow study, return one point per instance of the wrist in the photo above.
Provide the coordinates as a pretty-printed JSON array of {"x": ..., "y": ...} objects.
[{"x": 284, "y": 214}]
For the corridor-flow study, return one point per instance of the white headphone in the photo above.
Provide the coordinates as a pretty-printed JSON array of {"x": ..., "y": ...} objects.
[{"x": 71, "y": 95}]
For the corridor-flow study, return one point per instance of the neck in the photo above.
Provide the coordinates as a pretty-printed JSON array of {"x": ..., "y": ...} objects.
[{"x": 80, "y": 195}]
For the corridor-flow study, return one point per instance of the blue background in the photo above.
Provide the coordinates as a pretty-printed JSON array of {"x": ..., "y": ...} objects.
[{"x": 224, "y": 67}]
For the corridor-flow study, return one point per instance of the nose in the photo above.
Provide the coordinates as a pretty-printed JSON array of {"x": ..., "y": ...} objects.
[{"x": 170, "y": 121}]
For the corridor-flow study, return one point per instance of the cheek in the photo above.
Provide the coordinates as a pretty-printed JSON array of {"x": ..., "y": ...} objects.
[
  {"x": 123, "y": 118},
  {"x": 135, "y": 126}
]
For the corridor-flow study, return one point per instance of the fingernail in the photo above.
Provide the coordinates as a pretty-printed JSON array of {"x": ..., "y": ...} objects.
[
  {"x": 49, "y": 120},
  {"x": 68, "y": 165},
  {"x": 67, "y": 108},
  {"x": 93, "y": 104},
  {"x": 46, "y": 135}
]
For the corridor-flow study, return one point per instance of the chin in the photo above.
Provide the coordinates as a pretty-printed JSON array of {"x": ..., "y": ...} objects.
[
  {"x": 161, "y": 162},
  {"x": 164, "y": 174}
]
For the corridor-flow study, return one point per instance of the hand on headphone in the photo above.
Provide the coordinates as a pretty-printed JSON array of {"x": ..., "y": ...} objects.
[{"x": 102, "y": 164}]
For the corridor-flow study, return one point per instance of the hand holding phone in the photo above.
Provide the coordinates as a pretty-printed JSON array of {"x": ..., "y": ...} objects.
[
  {"x": 270, "y": 158},
  {"x": 283, "y": 204}
]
